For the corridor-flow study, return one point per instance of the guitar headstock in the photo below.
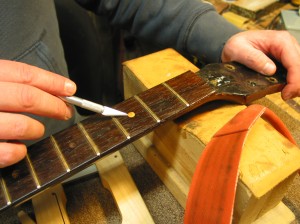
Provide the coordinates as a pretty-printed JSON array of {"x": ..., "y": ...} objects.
[{"x": 235, "y": 82}]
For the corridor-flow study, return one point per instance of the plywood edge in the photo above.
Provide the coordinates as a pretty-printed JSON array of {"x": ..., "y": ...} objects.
[
  {"x": 280, "y": 214},
  {"x": 117, "y": 179},
  {"x": 50, "y": 206}
]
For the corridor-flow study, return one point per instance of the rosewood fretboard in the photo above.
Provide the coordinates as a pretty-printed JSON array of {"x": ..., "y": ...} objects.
[{"x": 56, "y": 158}]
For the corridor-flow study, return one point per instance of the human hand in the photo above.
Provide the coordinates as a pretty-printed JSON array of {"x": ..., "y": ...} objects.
[
  {"x": 253, "y": 49},
  {"x": 28, "y": 89}
]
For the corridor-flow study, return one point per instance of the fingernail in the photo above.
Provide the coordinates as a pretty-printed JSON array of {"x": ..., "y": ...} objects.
[
  {"x": 70, "y": 87},
  {"x": 69, "y": 112},
  {"x": 269, "y": 69}
]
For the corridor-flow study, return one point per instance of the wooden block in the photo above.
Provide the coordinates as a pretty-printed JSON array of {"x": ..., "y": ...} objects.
[
  {"x": 117, "y": 179},
  {"x": 280, "y": 214},
  {"x": 174, "y": 180},
  {"x": 264, "y": 22},
  {"x": 235, "y": 19},
  {"x": 24, "y": 218},
  {"x": 253, "y": 9},
  {"x": 219, "y": 5},
  {"x": 173, "y": 150},
  {"x": 169, "y": 64},
  {"x": 50, "y": 206}
]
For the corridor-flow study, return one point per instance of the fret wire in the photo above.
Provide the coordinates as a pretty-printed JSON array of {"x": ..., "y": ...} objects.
[
  {"x": 33, "y": 173},
  {"x": 156, "y": 118},
  {"x": 176, "y": 94},
  {"x": 59, "y": 153},
  {"x": 89, "y": 139},
  {"x": 120, "y": 126},
  {"x": 5, "y": 191}
]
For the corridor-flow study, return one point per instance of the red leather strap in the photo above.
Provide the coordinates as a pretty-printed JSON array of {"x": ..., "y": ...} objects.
[{"x": 212, "y": 191}]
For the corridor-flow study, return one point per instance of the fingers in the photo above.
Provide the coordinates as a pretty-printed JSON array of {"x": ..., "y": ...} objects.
[
  {"x": 258, "y": 61},
  {"x": 28, "y": 89},
  {"x": 17, "y": 82},
  {"x": 291, "y": 60},
  {"x": 17, "y": 97},
  {"x": 11, "y": 153},
  {"x": 290, "y": 91},
  {"x": 17, "y": 72},
  {"x": 18, "y": 126},
  {"x": 241, "y": 50},
  {"x": 253, "y": 48}
]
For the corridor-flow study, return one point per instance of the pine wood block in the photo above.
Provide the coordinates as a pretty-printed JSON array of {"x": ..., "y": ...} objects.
[
  {"x": 117, "y": 179},
  {"x": 264, "y": 22},
  {"x": 282, "y": 214},
  {"x": 253, "y": 9},
  {"x": 24, "y": 218},
  {"x": 219, "y": 5},
  {"x": 50, "y": 206},
  {"x": 269, "y": 161},
  {"x": 236, "y": 19}
]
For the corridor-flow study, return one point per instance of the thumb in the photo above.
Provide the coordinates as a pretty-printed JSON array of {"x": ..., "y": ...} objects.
[
  {"x": 259, "y": 62},
  {"x": 250, "y": 57},
  {"x": 290, "y": 91}
]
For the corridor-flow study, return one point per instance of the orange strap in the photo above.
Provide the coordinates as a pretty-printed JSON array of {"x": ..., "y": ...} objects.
[{"x": 212, "y": 191}]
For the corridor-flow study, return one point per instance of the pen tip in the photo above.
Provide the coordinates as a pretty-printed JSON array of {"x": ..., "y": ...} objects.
[{"x": 112, "y": 112}]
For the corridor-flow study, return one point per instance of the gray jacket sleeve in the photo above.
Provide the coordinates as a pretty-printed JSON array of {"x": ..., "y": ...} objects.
[{"x": 190, "y": 26}]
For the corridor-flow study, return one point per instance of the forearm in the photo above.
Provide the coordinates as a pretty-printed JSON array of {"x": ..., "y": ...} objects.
[{"x": 189, "y": 26}]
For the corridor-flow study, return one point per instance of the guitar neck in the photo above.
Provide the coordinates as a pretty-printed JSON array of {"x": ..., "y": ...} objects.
[{"x": 56, "y": 158}]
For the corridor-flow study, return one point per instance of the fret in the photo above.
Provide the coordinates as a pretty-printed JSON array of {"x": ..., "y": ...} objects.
[
  {"x": 75, "y": 146},
  {"x": 194, "y": 89},
  {"x": 119, "y": 125},
  {"x": 147, "y": 108},
  {"x": 176, "y": 94},
  {"x": 59, "y": 153},
  {"x": 162, "y": 102},
  {"x": 32, "y": 171},
  {"x": 16, "y": 178},
  {"x": 5, "y": 196},
  {"x": 104, "y": 132},
  {"x": 89, "y": 139},
  {"x": 45, "y": 161},
  {"x": 141, "y": 122}
]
